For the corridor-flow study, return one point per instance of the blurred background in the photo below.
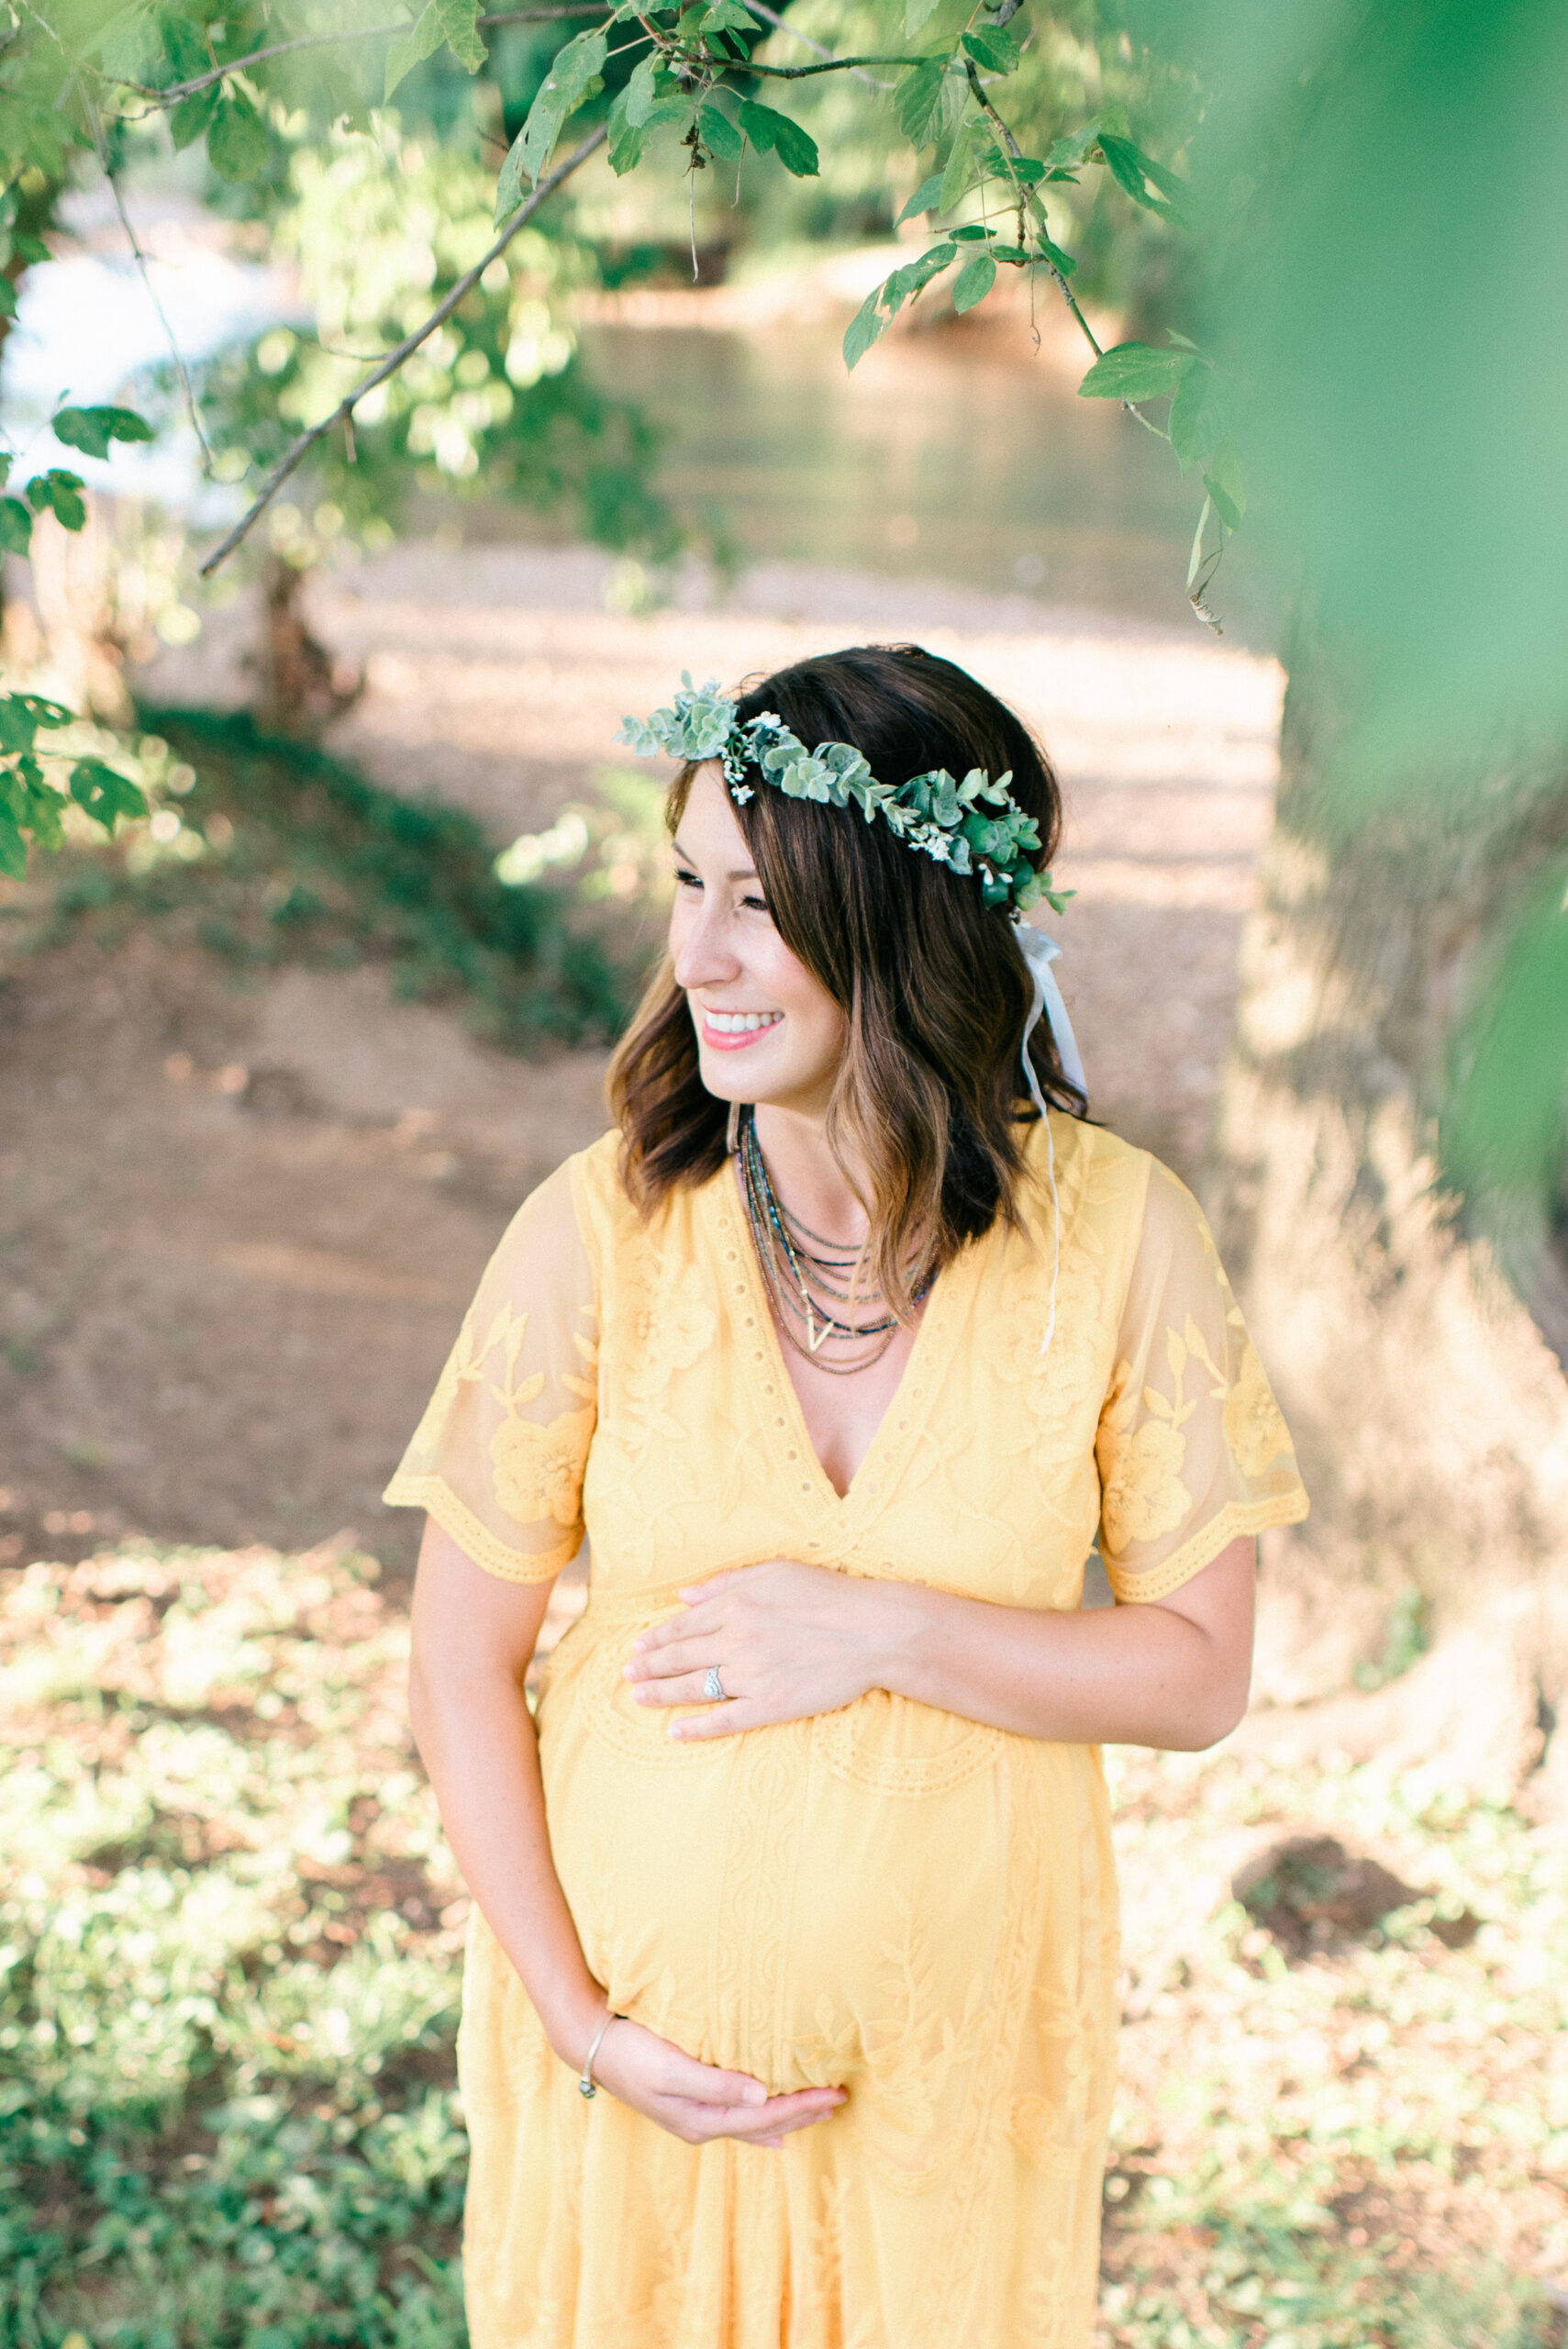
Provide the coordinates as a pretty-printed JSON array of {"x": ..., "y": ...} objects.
[{"x": 279, "y": 1059}]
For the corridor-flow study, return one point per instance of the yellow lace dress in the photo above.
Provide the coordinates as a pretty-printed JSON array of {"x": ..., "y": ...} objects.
[{"x": 887, "y": 1897}]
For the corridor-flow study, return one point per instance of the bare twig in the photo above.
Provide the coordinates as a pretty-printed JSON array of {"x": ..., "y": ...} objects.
[
  {"x": 343, "y": 412},
  {"x": 100, "y": 148},
  {"x": 175, "y": 90},
  {"x": 781, "y": 24}
]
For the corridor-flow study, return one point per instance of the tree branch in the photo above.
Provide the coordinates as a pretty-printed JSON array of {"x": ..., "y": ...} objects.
[
  {"x": 100, "y": 148},
  {"x": 175, "y": 90},
  {"x": 343, "y": 412},
  {"x": 781, "y": 24}
]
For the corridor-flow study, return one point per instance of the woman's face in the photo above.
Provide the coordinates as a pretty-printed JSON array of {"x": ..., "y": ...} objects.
[{"x": 767, "y": 1031}]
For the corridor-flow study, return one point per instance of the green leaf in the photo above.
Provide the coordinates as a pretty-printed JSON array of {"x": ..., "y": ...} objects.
[
  {"x": 719, "y": 135},
  {"x": 422, "y": 39},
  {"x": 448, "y": 21},
  {"x": 16, "y": 527},
  {"x": 28, "y": 248},
  {"x": 460, "y": 25},
  {"x": 193, "y": 118},
  {"x": 104, "y": 795},
  {"x": 92, "y": 429},
  {"x": 1068, "y": 154},
  {"x": 959, "y": 172},
  {"x": 1054, "y": 254},
  {"x": 1134, "y": 371},
  {"x": 12, "y": 851},
  {"x": 237, "y": 143},
  {"x": 922, "y": 96},
  {"x": 770, "y": 132},
  {"x": 974, "y": 282},
  {"x": 1147, "y": 182},
  {"x": 1202, "y": 413},
  {"x": 728, "y": 16},
  {"x": 972, "y": 234},
  {"x": 869, "y": 324},
  {"x": 1226, "y": 485},
  {"x": 21, "y": 715},
  {"x": 574, "y": 76},
  {"x": 925, "y": 199},
  {"x": 649, "y": 81},
  {"x": 917, "y": 14},
  {"x": 7, "y": 299},
  {"x": 62, "y": 494},
  {"x": 996, "y": 50},
  {"x": 130, "y": 48}
]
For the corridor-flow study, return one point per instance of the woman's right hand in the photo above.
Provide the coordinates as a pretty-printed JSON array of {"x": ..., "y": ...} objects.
[{"x": 696, "y": 2101}]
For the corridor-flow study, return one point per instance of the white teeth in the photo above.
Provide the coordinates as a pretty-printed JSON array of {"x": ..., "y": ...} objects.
[{"x": 739, "y": 1023}]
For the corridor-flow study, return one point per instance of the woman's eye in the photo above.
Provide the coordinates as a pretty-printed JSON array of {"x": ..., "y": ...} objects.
[
  {"x": 755, "y": 904},
  {"x": 685, "y": 878}
]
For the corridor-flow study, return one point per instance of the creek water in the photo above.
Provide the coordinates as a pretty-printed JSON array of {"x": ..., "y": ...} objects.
[{"x": 962, "y": 454}]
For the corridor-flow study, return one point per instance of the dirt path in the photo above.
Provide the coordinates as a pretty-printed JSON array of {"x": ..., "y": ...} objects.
[{"x": 237, "y": 1230}]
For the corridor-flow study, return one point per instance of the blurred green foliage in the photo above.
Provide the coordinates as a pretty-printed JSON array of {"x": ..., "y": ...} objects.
[
  {"x": 231, "y": 1941},
  {"x": 266, "y": 851}
]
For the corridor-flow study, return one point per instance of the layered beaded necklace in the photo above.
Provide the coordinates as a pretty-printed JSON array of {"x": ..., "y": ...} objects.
[{"x": 807, "y": 1276}]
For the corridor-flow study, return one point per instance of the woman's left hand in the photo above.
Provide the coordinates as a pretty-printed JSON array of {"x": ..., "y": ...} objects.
[{"x": 788, "y": 1641}]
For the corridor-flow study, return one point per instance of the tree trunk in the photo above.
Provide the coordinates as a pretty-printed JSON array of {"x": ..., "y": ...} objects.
[{"x": 1429, "y": 1409}]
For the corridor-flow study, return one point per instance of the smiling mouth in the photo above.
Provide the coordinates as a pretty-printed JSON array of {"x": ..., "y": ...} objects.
[{"x": 728, "y": 1030}]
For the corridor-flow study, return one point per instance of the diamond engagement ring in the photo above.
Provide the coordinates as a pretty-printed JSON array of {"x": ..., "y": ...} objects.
[{"x": 712, "y": 1686}]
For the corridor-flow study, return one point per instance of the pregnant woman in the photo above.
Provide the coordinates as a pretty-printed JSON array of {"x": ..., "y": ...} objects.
[{"x": 791, "y": 1991}]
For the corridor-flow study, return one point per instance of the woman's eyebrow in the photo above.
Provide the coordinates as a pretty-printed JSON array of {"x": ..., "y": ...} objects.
[{"x": 739, "y": 873}]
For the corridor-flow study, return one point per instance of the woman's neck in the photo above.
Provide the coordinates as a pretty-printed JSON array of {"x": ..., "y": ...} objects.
[{"x": 807, "y": 1177}]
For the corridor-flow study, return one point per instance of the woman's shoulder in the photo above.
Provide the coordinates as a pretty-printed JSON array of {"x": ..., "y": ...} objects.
[{"x": 1099, "y": 1166}]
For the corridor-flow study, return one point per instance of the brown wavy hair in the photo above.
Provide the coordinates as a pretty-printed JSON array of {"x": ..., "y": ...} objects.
[{"x": 931, "y": 1098}]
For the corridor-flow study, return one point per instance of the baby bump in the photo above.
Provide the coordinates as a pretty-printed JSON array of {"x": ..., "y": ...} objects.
[{"x": 822, "y": 1901}]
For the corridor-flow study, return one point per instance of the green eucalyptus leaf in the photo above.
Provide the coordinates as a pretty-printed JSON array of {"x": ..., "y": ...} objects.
[
  {"x": 719, "y": 135},
  {"x": 972, "y": 234},
  {"x": 16, "y": 527},
  {"x": 1134, "y": 371},
  {"x": 7, "y": 299},
  {"x": 1054, "y": 254},
  {"x": 92, "y": 429},
  {"x": 235, "y": 142},
  {"x": 774, "y": 133},
  {"x": 925, "y": 199}
]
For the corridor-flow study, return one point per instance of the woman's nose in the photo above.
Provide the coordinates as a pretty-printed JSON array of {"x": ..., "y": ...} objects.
[{"x": 701, "y": 954}]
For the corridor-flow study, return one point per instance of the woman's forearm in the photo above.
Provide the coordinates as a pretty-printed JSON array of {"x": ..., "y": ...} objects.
[
  {"x": 477, "y": 1739},
  {"x": 1172, "y": 1675}
]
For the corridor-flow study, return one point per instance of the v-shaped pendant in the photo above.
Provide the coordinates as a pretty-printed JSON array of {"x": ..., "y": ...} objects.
[{"x": 815, "y": 1336}]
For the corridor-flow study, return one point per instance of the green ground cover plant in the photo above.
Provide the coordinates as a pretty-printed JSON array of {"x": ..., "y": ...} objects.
[
  {"x": 263, "y": 849},
  {"x": 230, "y": 1942}
]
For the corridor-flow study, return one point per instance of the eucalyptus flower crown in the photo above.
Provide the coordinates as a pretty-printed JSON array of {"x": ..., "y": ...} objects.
[{"x": 973, "y": 826}]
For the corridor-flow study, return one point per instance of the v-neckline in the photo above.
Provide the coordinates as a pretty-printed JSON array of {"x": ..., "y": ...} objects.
[{"x": 786, "y": 1426}]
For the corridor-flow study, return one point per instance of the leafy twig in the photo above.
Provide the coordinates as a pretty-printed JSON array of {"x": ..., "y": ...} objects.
[
  {"x": 343, "y": 412},
  {"x": 100, "y": 148}
]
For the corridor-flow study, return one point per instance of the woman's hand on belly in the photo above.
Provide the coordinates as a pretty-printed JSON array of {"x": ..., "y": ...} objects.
[
  {"x": 787, "y": 1640},
  {"x": 697, "y": 2102}
]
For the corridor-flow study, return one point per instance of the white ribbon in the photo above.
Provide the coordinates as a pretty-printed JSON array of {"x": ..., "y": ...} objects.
[{"x": 1039, "y": 952}]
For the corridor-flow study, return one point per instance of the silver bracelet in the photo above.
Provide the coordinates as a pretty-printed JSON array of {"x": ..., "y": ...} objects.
[{"x": 586, "y": 2084}]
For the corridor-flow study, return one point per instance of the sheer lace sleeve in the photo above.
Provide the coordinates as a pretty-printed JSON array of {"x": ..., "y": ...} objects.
[
  {"x": 1192, "y": 1449},
  {"x": 497, "y": 1459}
]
